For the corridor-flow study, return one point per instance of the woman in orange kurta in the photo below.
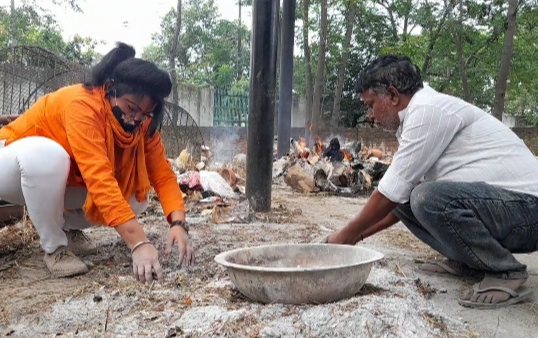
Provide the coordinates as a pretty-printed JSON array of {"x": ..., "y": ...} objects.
[{"x": 89, "y": 154}]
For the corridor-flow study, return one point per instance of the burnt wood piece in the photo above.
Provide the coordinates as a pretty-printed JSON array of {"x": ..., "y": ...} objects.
[
  {"x": 357, "y": 165},
  {"x": 320, "y": 179},
  {"x": 376, "y": 170},
  {"x": 300, "y": 177},
  {"x": 341, "y": 175}
]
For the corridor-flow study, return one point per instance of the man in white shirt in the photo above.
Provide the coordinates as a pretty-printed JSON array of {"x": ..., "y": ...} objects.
[{"x": 461, "y": 181}]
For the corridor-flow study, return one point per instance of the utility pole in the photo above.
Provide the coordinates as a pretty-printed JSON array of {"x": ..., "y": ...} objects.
[
  {"x": 262, "y": 104},
  {"x": 13, "y": 25},
  {"x": 239, "y": 36}
]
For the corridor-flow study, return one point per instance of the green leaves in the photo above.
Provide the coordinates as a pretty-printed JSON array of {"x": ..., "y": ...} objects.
[
  {"x": 208, "y": 53},
  {"x": 37, "y": 28},
  {"x": 423, "y": 30}
]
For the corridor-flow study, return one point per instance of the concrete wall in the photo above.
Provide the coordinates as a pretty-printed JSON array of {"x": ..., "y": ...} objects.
[
  {"x": 298, "y": 112},
  {"x": 530, "y": 136},
  {"x": 515, "y": 121},
  {"x": 199, "y": 103},
  {"x": 509, "y": 120},
  {"x": 226, "y": 142}
]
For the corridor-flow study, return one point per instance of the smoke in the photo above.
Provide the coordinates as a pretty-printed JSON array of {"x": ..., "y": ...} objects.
[{"x": 225, "y": 145}]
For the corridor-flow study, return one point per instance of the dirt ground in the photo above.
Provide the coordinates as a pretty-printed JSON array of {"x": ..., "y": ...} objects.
[{"x": 397, "y": 301}]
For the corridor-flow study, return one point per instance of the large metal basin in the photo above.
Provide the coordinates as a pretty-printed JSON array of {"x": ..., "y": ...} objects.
[{"x": 299, "y": 273}]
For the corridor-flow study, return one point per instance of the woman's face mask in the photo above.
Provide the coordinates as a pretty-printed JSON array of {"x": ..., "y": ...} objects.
[{"x": 131, "y": 111}]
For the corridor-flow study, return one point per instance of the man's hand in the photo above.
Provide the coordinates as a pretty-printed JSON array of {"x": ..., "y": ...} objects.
[
  {"x": 177, "y": 235},
  {"x": 375, "y": 216},
  {"x": 145, "y": 262},
  {"x": 339, "y": 238}
]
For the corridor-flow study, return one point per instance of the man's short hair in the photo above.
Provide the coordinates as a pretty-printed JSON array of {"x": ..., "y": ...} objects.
[{"x": 390, "y": 70}]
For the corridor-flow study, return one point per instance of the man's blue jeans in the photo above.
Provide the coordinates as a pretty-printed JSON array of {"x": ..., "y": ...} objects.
[{"x": 474, "y": 223}]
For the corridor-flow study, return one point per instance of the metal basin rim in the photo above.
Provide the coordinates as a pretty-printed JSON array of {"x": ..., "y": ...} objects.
[{"x": 221, "y": 259}]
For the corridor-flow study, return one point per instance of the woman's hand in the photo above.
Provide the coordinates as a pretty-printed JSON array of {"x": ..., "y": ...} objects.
[
  {"x": 178, "y": 235},
  {"x": 146, "y": 262},
  {"x": 145, "y": 256}
]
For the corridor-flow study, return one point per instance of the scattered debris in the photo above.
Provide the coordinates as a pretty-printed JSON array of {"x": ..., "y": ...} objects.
[
  {"x": 390, "y": 304},
  {"x": 437, "y": 323},
  {"x": 351, "y": 169},
  {"x": 17, "y": 236},
  {"x": 229, "y": 176},
  {"x": 425, "y": 289},
  {"x": 370, "y": 289},
  {"x": 231, "y": 214},
  {"x": 214, "y": 182},
  {"x": 212, "y": 191},
  {"x": 174, "y": 332}
]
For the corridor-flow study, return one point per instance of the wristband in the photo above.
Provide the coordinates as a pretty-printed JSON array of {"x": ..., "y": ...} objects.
[
  {"x": 182, "y": 224},
  {"x": 139, "y": 244}
]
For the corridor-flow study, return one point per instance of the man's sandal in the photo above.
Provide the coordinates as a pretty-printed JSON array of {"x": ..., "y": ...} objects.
[{"x": 515, "y": 297}]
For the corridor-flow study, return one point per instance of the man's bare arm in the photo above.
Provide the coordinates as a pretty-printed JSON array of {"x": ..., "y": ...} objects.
[
  {"x": 385, "y": 223},
  {"x": 372, "y": 218}
]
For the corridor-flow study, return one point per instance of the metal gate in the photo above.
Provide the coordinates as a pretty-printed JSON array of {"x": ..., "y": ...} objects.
[
  {"x": 29, "y": 72},
  {"x": 230, "y": 108}
]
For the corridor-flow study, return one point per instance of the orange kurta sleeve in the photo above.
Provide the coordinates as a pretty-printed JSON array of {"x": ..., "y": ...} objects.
[
  {"x": 162, "y": 177},
  {"x": 85, "y": 129}
]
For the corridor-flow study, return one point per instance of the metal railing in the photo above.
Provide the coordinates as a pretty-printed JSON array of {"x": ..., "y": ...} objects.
[{"x": 230, "y": 108}]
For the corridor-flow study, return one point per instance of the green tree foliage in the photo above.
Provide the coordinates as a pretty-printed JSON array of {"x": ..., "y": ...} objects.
[
  {"x": 426, "y": 31},
  {"x": 36, "y": 28},
  {"x": 207, "y": 46}
]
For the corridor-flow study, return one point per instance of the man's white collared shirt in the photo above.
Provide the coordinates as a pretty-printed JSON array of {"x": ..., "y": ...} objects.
[{"x": 442, "y": 137}]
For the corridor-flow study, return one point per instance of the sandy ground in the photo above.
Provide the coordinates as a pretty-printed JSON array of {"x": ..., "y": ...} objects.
[{"x": 397, "y": 301}]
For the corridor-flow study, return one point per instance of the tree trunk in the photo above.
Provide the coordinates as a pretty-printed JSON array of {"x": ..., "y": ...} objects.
[
  {"x": 352, "y": 11},
  {"x": 506, "y": 58},
  {"x": 463, "y": 71},
  {"x": 308, "y": 68},
  {"x": 458, "y": 39},
  {"x": 434, "y": 35},
  {"x": 239, "y": 70},
  {"x": 172, "y": 62},
  {"x": 318, "y": 86},
  {"x": 393, "y": 25}
]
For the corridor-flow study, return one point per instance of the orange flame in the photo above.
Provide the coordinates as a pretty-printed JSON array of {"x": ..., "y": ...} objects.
[
  {"x": 302, "y": 141},
  {"x": 347, "y": 155},
  {"x": 318, "y": 146}
]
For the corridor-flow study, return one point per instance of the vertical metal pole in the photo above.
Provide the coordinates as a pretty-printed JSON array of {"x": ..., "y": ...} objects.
[
  {"x": 239, "y": 36},
  {"x": 262, "y": 104},
  {"x": 286, "y": 76},
  {"x": 13, "y": 25}
]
